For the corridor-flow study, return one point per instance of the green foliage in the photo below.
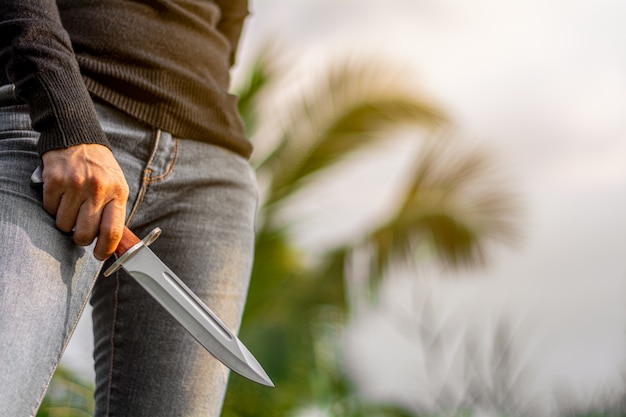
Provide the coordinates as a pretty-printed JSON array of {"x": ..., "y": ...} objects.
[
  {"x": 67, "y": 396},
  {"x": 351, "y": 107},
  {"x": 450, "y": 206}
]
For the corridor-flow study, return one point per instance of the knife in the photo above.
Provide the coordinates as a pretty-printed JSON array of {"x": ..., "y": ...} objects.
[{"x": 134, "y": 256}]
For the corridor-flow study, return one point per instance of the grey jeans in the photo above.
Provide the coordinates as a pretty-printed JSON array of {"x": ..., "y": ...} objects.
[{"x": 203, "y": 198}]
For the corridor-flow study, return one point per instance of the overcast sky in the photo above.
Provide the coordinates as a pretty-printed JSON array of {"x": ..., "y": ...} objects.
[{"x": 543, "y": 84}]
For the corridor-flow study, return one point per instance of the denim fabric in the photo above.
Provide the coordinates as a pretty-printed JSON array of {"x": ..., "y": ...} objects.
[{"x": 203, "y": 198}]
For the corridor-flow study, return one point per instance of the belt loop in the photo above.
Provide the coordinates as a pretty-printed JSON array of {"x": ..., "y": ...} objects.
[{"x": 8, "y": 95}]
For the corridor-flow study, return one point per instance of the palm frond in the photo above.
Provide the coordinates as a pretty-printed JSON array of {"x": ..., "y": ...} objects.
[
  {"x": 263, "y": 72},
  {"x": 353, "y": 106},
  {"x": 453, "y": 205}
]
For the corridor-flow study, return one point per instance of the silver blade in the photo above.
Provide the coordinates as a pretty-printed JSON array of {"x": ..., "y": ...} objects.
[{"x": 160, "y": 282}]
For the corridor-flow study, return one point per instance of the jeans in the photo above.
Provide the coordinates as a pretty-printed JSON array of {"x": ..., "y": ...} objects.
[{"x": 203, "y": 198}]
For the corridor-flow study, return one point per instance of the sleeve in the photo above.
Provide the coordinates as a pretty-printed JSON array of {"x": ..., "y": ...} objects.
[
  {"x": 233, "y": 15},
  {"x": 37, "y": 57}
]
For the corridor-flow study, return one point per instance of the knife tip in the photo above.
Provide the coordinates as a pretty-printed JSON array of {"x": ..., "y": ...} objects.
[{"x": 258, "y": 374}]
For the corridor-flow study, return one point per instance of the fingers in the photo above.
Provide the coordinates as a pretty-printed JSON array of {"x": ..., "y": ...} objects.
[
  {"x": 110, "y": 232},
  {"x": 86, "y": 191},
  {"x": 87, "y": 225},
  {"x": 65, "y": 211}
]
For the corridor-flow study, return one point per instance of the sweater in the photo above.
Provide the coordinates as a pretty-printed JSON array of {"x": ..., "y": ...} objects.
[{"x": 164, "y": 62}]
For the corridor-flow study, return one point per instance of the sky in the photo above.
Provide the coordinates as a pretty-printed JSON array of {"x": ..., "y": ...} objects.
[{"x": 542, "y": 84}]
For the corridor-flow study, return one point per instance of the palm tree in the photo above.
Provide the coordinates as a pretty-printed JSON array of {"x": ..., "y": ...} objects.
[{"x": 296, "y": 309}]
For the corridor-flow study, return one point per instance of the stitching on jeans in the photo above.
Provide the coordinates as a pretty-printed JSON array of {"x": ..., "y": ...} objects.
[
  {"x": 145, "y": 180},
  {"x": 141, "y": 195},
  {"x": 113, "y": 325},
  {"x": 170, "y": 166},
  {"x": 155, "y": 148},
  {"x": 67, "y": 340}
]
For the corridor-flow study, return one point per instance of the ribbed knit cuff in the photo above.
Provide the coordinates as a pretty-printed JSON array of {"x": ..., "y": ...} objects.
[{"x": 61, "y": 110}]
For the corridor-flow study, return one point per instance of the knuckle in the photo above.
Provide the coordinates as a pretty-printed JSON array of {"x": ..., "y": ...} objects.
[
  {"x": 96, "y": 183},
  {"x": 114, "y": 233},
  {"x": 85, "y": 233},
  {"x": 103, "y": 192},
  {"x": 82, "y": 238},
  {"x": 63, "y": 225},
  {"x": 124, "y": 191},
  {"x": 52, "y": 176},
  {"x": 73, "y": 180},
  {"x": 120, "y": 189},
  {"x": 50, "y": 208}
]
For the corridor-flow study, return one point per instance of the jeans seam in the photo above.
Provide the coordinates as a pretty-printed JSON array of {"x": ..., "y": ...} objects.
[
  {"x": 140, "y": 197},
  {"x": 145, "y": 180},
  {"x": 170, "y": 166},
  {"x": 82, "y": 309},
  {"x": 113, "y": 326},
  {"x": 147, "y": 177}
]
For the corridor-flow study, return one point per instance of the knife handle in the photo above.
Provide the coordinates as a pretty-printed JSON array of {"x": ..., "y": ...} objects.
[
  {"x": 129, "y": 239},
  {"x": 128, "y": 247}
]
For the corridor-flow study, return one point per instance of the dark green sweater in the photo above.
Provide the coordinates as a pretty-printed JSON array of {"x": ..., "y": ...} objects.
[{"x": 165, "y": 62}]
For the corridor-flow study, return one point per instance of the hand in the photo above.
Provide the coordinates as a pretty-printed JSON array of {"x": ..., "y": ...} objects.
[{"x": 85, "y": 189}]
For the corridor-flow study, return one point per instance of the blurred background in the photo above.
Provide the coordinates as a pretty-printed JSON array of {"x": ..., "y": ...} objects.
[{"x": 442, "y": 225}]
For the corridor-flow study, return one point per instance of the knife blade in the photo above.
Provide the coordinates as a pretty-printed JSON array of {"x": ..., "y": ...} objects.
[
  {"x": 160, "y": 282},
  {"x": 142, "y": 264},
  {"x": 200, "y": 321}
]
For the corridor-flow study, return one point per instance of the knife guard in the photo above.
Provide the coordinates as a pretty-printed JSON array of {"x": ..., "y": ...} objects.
[{"x": 128, "y": 246}]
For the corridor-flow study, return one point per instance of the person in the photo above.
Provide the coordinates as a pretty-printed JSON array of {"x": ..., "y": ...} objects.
[{"x": 125, "y": 104}]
